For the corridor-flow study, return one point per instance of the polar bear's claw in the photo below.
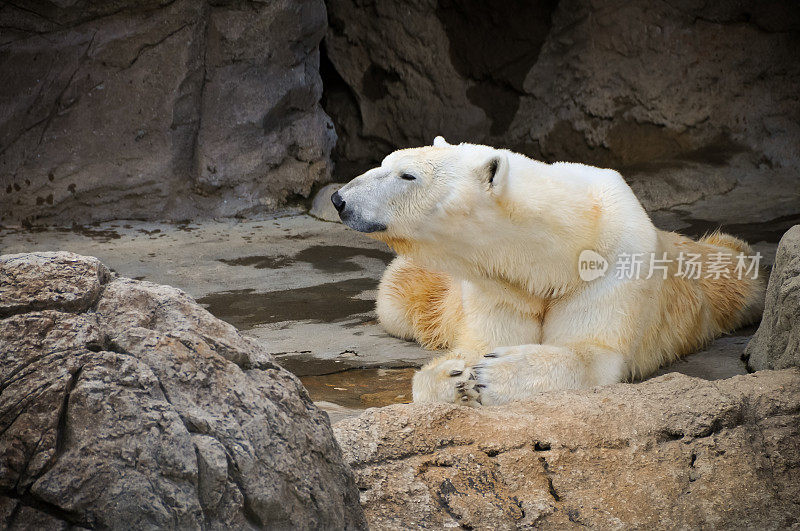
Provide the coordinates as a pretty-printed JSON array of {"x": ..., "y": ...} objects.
[{"x": 468, "y": 392}]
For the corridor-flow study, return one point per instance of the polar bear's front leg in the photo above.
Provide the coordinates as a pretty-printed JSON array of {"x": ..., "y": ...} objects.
[{"x": 519, "y": 372}]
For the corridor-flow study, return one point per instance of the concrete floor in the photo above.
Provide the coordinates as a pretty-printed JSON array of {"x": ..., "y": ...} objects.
[{"x": 306, "y": 288}]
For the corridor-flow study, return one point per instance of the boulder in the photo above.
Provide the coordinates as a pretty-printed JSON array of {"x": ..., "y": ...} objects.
[
  {"x": 776, "y": 343},
  {"x": 126, "y": 405},
  {"x": 159, "y": 110},
  {"x": 322, "y": 207},
  {"x": 672, "y": 452}
]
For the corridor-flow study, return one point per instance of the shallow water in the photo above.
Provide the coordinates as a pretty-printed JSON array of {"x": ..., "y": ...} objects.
[
  {"x": 361, "y": 388},
  {"x": 327, "y": 258},
  {"x": 323, "y": 303}
]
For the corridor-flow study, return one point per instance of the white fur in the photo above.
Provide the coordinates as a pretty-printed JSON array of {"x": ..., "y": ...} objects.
[{"x": 511, "y": 230}]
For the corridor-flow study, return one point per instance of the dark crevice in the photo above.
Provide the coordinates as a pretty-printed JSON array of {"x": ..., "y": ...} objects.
[
  {"x": 208, "y": 512},
  {"x": 376, "y": 80},
  {"x": 111, "y": 346},
  {"x": 354, "y": 152},
  {"x": 248, "y": 511},
  {"x": 97, "y": 346},
  {"x": 164, "y": 392},
  {"x": 61, "y": 430},
  {"x": 669, "y": 434},
  {"x": 550, "y": 487},
  {"x": 494, "y": 44},
  {"x": 552, "y": 490}
]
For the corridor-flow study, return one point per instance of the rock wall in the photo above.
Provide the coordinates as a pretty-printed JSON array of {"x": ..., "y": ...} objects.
[
  {"x": 672, "y": 452},
  {"x": 192, "y": 108},
  {"x": 126, "y": 405},
  {"x": 663, "y": 91},
  {"x": 776, "y": 343},
  {"x": 159, "y": 109}
]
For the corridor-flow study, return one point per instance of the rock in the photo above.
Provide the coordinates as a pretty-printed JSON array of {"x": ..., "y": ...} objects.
[
  {"x": 674, "y": 451},
  {"x": 776, "y": 343},
  {"x": 125, "y": 404},
  {"x": 669, "y": 94},
  {"x": 322, "y": 207},
  {"x": 159, "y": 110},
  {"x": 721, "y": 358},
  {"x": 41, "y": 281}
]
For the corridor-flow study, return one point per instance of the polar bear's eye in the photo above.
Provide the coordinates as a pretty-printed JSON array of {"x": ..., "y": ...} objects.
[{"x": 407, "y": 177}]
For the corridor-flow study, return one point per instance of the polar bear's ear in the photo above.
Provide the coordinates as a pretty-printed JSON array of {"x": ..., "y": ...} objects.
[
  {"x": 439, "y": 141},
  {"x": 495, "y": 171}
]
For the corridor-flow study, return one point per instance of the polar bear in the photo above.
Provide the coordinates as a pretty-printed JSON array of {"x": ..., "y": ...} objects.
[{"x": 489, "y": 246}]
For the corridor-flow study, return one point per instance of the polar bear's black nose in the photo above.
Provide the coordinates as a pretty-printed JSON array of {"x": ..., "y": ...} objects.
[{"x": 338, "y": 202}]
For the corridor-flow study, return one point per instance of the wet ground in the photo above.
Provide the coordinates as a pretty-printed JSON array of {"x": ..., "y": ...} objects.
[{"x": 306, "y": 288}]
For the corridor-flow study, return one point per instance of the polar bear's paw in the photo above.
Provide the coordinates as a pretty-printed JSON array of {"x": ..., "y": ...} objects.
[
  {"x": 438, "y": 380},
  {"x": 469, "y": 381},
  {"x": 473, "y": 391},
  {"x": 489, "y": 377}
]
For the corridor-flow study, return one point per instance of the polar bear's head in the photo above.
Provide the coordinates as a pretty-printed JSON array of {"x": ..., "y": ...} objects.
[{"x": 425, "y": 193}]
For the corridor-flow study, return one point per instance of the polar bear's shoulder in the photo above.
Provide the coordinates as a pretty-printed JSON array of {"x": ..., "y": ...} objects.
[{"x": 589, "y": 175}]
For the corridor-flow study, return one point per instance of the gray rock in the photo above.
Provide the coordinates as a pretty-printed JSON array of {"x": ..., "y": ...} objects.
[
  {"x": 776, "y": 343},
  {"x": 137, "y": 408},
  {"x": 667, "y": 93},
  {"x": 49, "y": 280},
  {"x": 671, "y": 452},
  {"x": 159, "y": 110},
  {"x": 322, "y": 207}
]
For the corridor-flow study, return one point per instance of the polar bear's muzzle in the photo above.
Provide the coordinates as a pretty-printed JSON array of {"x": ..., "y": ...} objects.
[{"x": 351, "y": 217}]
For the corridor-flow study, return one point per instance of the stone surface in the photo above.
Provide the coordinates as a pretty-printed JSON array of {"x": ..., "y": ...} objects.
[
  {"x": 137, "y": 408},
  {"x": 322, "y": 207},
  {"x": 37, "y": 282},
  {"x": 671, "y": 452},
  {"x": 776, "y": 343},
  {"x": 687, "y": 99},
  {"x": 159, "y": 110},
  {"x": 720, "y": 359}
]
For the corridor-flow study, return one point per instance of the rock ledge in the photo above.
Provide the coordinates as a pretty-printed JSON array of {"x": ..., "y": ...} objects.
[{"x": 671, "y": 452}]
